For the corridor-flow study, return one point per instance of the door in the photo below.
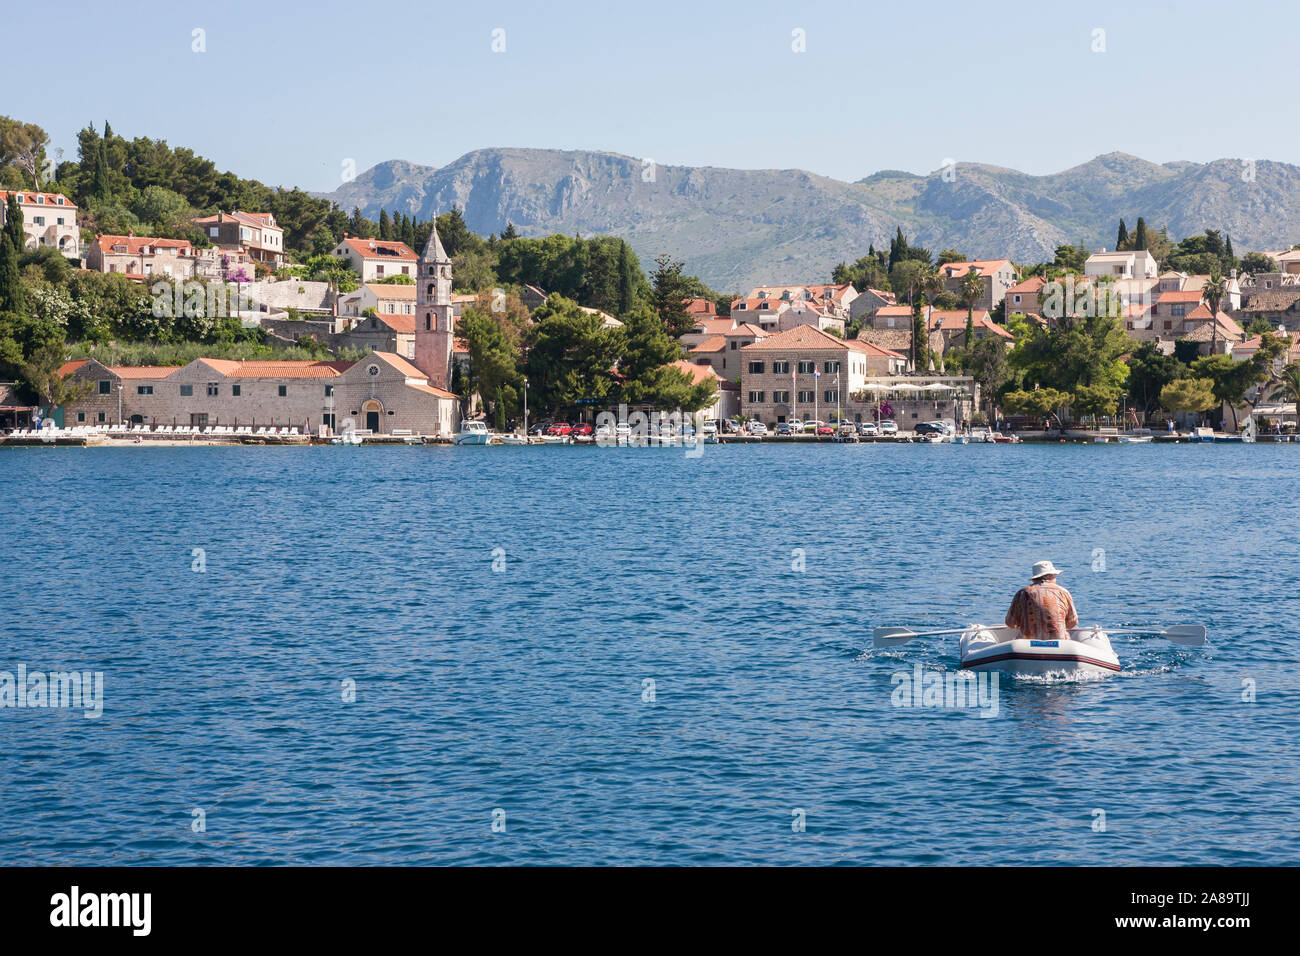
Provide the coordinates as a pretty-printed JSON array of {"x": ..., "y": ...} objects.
[{"x": 372, "y": 421}]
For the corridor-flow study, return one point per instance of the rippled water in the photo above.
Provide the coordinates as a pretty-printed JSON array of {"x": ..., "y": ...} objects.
[{"x": 523, "y": 689}]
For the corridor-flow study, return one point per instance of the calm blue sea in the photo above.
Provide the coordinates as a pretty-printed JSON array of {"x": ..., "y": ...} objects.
[{"x": 744, "y": 584}]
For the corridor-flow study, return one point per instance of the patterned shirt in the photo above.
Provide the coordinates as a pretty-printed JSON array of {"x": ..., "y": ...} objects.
[{"x": 1043, "y": 611}]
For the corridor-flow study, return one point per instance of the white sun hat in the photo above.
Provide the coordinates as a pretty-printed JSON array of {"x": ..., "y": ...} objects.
[{"x": 1042, "y": 569}]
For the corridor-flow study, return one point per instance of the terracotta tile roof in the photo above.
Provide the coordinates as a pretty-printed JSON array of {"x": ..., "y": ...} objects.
[
  {"x": 67, "y": 368},
  {"x": 134, "y": 245},
  {"x": 811, "y": 337},
  {"x": 745, "y": 328},
  {"x": 758, "y": 305},
  {"x": 258, "y": 220},
  {"x": 1179, "y": 295},
  {"x": 402, "y": 365},
  {"x": 700, "y": 307},
  {"x": 460, "y": 345},
  {"x": 429, "y": 389},
  {"x": 395, "y": 321},
  {"x": 380, "y": 249},
  {"x": 714, "y": 343},
  {"x": 143, "y": 371},
  {"x": 1030, "y": 286},
  {"x": 259, "y": 368},
  {"x": 30, "y": 197},
  {"x": 715, "y": 326},
  {"x": 698, "y": 373},
  {"x": 1272, "y": 301},
  {"x": 955, "y": 270}
]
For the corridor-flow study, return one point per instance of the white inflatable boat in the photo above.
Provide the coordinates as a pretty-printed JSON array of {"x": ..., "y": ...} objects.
[{"x": 1088, "y": 650}]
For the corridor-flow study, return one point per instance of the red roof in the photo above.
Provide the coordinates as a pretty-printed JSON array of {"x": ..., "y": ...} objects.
[
  {"x": 698, "y": 373},
  {"x": 955, "y": 270},
  {"x": 135, "y": 245},
  {"x": 811, "y": 337},
  {"x": 30, "y": 198},
  {"x": 380, "y": 249}
]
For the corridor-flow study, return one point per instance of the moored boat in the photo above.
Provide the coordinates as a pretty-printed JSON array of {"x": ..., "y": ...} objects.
[{"x": 473, "y": 433}]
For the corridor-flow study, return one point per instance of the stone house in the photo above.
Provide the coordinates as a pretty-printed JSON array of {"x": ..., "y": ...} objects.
[{"x": 49, "y": 219}]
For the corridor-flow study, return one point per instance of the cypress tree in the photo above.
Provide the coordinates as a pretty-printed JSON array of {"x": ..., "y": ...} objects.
[
  {"x": 385, "y": 228},
  {"x": 11, "y": 286},
  {"x": 99, "y": 186},
  {"x": 1140, "y": 236},
  {"x": 1122, "y": 238},
  {"x": 626, "y": 289}
]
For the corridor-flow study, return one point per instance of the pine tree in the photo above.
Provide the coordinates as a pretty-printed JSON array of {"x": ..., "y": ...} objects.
[
  {"x": 1140, "y": 236},
  {"x": 510, "y": 232},
  {"x": 1122, "y": 238}
]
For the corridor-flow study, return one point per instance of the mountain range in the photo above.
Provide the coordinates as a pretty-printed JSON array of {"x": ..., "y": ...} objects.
[{"x": 738, "y": 228}]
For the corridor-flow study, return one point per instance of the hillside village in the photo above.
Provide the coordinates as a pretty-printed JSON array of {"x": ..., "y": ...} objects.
[{"x": 775, "y": 354}]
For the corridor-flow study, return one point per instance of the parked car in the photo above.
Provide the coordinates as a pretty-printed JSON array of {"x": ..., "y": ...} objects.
[
  {"x": 756, "y": 428},
  {"x": 559, "y": 428},
  {"x": 824, "y": 429},
  {"x": 539, "y": 428},
  {"x": 785, "y": 428},
  {"x": 929, "y": 428},
  {"x": 888, "y": 427},
  {"x": 582, "y": 429},
  {"x": 795, "y": 424},
  {"x": 710, "y": 427},
  {"x": 811, "y": 427},
  {"x": 867, "y": 429}
]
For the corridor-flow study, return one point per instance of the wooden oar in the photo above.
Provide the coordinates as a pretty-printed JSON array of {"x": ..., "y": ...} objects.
[
  {"x": 894, "y": 636},
  {"x": 1193, "y": 635}
]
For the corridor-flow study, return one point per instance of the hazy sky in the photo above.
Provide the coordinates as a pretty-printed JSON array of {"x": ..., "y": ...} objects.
[{"x": 290, "y": 93}]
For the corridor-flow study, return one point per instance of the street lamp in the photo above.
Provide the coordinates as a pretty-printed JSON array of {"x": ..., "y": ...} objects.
[
  {"x": 119, "y": 403},
  {"x": 525, "y": 409}
]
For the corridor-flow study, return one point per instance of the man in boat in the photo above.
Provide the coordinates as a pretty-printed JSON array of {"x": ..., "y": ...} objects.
[{"x": 1044, "y": 610}]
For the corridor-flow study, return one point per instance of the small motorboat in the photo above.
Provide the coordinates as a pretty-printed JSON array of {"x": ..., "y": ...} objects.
[
  {"x": 1086, "y": 651},
  {"x": 513, "y": 439},
  {"x": 473, "y": 433},
  {"x": 1135, "y": 439}
]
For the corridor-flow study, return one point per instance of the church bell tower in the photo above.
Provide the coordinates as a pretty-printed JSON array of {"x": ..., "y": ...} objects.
[{"x": 433, "y": 313}]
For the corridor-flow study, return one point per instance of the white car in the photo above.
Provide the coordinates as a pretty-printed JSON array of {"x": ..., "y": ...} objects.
[
  {"x": 756, "y": 428},
  {"x": 888, "y": 428},
  {"x": 868, "y": 428},
  {"x": 812, "y": 426},
  {"x": 795, "y": 424},
  {"x": 710, "y": 427}
]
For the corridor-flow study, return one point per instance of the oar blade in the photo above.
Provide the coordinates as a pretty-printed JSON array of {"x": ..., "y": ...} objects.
[
  {"x": 891, "y": 636},
  {"x": 1193, "y": 635}
]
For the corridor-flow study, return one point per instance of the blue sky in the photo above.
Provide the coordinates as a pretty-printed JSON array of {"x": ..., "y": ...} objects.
[{"x": 290, "y": 93}]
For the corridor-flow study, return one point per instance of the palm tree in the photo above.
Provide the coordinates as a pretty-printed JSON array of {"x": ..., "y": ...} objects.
[
  {"x": 1213, "y": 292},
  {"x": 1287, "y": 386}
]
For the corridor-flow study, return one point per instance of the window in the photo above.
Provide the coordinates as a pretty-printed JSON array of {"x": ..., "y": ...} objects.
[
  {"x": 806, "y": 398},
  {"x": 282, "y": 390},
  {"x": 756, "y": 398},
  {"x": 213, "y": 390},
  {"x": 105, "y": 387},
  {"x": 81, "y": 416},
  {"x": 101, "y": 416},
  {"x": 1017, "y": 298},
  {"x": 781, "y": 398},
  {"x": 234, "y": 390},
  {"x": 39, "y": 220},
  {"x": 807, "y": 368},
  {"x": 780, "y": 368},
  {"x": 755, "y": 368},
  {"x": 830, "y": 396},
  {"x": 735, "y": 345},
  {"x": 144, "y": 389},
  {"x": 831, "y": 367},
  {"x": 329, "y": 390},
  {"x": 213, "y": 231},
  {"x": 187, "y": 390}
]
